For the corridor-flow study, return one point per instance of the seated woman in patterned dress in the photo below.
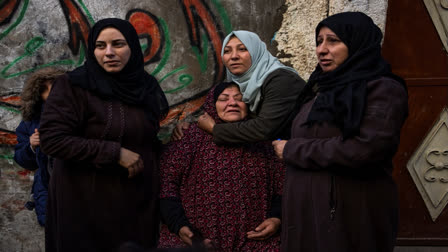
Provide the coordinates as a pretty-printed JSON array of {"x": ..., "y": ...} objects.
[{"x": 227, "y": 196}]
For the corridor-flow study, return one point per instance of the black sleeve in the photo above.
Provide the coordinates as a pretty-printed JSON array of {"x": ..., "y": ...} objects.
[
  {"x": 276, "y": 207},
  {"x": 173, "y": 214}
]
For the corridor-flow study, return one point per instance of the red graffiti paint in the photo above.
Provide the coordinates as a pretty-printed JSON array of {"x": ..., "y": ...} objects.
[
  {"x": 13, "y": 205},
  {"x": 8, "y": 138},
  {"x": 10, "y": 98},
  {"x": 78, "y": 25},
  {"x": 198, "y": 15},
  {"x": 7, "y": 9},
  {"x": 13, "y": 100},
  {"x": 182, "y": 110},
  {"x": 24, "y": 173},
  {"x": 148, "y": 27}
]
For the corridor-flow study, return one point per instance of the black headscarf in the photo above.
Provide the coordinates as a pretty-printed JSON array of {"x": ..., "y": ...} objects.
[
  {"x": 221, "y": 87},
  {"x": 132, "y": 85},
  {"x": 343, "y": 91}
]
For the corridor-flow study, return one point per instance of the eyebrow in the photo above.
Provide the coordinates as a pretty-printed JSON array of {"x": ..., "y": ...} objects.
[
  {"x": 115, "y": 40},
  {"x": 240, "y": 44},
  {"x": 229, "y": 95},
  {"x": 327, "y": 34}
]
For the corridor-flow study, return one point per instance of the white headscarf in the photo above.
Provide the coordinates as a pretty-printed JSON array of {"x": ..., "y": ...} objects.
[{"x": 263, "y": 63}]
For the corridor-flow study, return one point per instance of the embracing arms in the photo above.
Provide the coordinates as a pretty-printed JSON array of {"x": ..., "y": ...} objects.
[{"x": 279, "y": 95}]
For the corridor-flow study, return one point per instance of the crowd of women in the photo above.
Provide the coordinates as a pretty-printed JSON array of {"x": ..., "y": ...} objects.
[{"x": 273, "y": 164}]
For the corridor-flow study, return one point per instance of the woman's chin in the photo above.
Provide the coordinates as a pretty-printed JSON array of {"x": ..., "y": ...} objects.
[
  {"x": 232, "y": 118},
  {"x": 237, "y": 72}
]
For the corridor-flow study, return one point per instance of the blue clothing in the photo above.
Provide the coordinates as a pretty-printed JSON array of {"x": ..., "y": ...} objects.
[{"x": 36, "y": 160}]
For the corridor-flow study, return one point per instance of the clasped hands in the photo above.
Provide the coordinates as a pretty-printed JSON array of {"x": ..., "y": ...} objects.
[{"x": 131, "y": 161}]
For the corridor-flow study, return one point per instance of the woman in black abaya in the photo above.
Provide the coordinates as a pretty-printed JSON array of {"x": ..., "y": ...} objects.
[
  {"x": 100, "y": 124},
  {"x": 339, "y": 193}
]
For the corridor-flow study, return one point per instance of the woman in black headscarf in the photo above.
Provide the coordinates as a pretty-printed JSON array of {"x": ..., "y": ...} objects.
[
  {"x": 339, "y": 193},
  {"x": 100, "y": 124}
]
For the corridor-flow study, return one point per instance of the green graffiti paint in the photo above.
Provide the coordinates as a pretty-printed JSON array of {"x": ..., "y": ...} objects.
[
  {"x": 35, "y": 43},
  {"x": 30, "y": 48},
  {"x": 7, "y": 157},
  {"x": 202, "y": 58},
  {"x": 89, "y": 16},
  {"x": 144, "y": 47},
  {"x": 225, "y": 18},
  {"x": 82, "y": 54},
  {"x": 171, "y": 73},
  {"x": 17, "y": 22},
  {"x": 167, "y": 53},
  {"x": 32, "y": 45},
  {"x": 10, "y": 109},
  {"x": 185, "y": 80},
  {"x": 9, "y": 76}
]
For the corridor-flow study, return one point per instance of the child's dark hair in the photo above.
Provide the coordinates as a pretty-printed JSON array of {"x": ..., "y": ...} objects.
[{"x": 34, "y": 86}]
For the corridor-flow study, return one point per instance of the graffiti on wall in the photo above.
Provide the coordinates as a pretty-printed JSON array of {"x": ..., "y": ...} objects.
[{"x": 205, "y": 35}]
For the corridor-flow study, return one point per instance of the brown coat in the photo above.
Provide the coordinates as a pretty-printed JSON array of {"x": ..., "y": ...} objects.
[
  {"x": 92, "y": 204},
  {"x": 351, "y": 177}
]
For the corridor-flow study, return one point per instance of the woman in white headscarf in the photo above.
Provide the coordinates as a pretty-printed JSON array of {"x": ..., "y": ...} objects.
[{"x": 269, "y": 88}]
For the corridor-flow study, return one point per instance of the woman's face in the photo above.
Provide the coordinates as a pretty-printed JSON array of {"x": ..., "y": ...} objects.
[
  {"x": 44, "y": 94},
  {"x": 112, "y": 50},
  {"x": 230, "y": 106},
  {"x": 236, "y": 57},
  {"x": 331, "y": 51}
]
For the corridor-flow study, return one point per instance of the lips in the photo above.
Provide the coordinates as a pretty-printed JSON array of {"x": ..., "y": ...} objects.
[
  {"x": 236, "y": 65},
  {"x": 325, "y": 61},
  {"x": 112, "y": 62}
]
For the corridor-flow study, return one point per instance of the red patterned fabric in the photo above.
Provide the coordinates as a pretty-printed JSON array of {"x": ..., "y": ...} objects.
[{"x": 225, "y": 190}]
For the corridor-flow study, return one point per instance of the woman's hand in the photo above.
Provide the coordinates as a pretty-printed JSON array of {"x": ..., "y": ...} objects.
[
  {"x": 206, "y": 123},
  {"x": 186, "y": 235},
  {"x": 34, "y": 139},
  {"x": 279, "y": 145},
  {"x": 265, "y": 230},
  {"x": 178, "y": 131},
  {"x": 131, "y": 161}
]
